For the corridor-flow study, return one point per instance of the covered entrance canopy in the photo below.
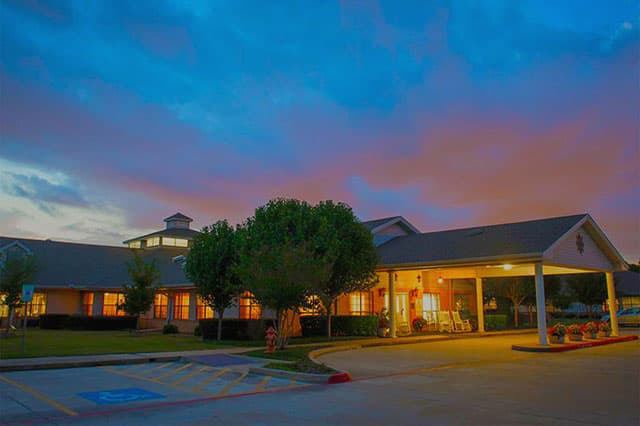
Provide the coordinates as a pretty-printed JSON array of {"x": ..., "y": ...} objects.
[{"x": 561, "y": 245}]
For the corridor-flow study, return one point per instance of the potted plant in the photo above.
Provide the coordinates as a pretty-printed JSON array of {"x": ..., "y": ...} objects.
[
  {"x": 556, "y": 333},
  {"x": 575, "y": 333},
  {"x": 383, "y": 323},
  {"x": 604, "y": 330},
  {"x": 419, "y": 324},
  {"x": 589, "y": 330}
]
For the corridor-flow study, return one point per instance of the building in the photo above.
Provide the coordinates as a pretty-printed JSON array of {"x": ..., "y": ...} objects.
[{"x": 423, "y": 273}]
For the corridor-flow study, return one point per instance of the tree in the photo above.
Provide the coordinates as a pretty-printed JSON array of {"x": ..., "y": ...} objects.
[
  {"x": 589, "y": 289},
  {"x": 279, "y": 262},
  {"x": 212, "y": 266},
  {"x": 347, "y": 246},
  {"x": 15, "y": 271},
  {"x": 516, "y": 289},
  {"x": 138, "y": 295}
]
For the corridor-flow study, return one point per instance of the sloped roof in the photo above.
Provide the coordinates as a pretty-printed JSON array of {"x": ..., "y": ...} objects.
[
  {"x": 510, "y": 239},
  {"x": 73, "y": 265},
  {"x": 171, "y": 232},
  {"x": 178, "y": 216},
  {"x": 373, "y": 224}
]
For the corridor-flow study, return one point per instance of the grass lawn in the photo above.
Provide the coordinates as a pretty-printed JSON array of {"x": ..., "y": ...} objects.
[
  {"x": 298, "y": 358},
  {"x": 68, "y": 342}
]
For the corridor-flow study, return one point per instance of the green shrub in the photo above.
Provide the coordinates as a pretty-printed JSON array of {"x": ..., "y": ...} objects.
[
  {"x": 341, "y": 325},
  {"x": 83, "y": 322},
  {"x": 235, "y": 329},
  {"x": 197, "y": 332},
  {"x": 170, "y": 329},
  {"x": 54, "y": 321},
  {"x": 495, "y": 322}
]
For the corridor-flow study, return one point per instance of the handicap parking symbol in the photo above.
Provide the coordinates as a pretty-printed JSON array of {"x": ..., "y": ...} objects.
[{"x": 118, "y": 396}]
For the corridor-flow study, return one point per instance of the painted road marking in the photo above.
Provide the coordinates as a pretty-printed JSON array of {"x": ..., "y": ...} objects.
[
  {"x": 40, "y": 396},
  {"x": 211, "y": 379},
  {"x": 175, "y": 371},
  {"x": 263, "y": 383},
  {"x": 233, "y": 383},
  {"x": 118, "y": 396},
  {"x": 147, "y": 379},
  {"x": 189, "y": 375},
  {"x": 159, "y": 367}
]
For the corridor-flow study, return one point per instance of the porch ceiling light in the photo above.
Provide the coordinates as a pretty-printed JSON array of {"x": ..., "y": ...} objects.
[
  {"x": 440, "y": 280},
  {"x": 507, "y": 267}
]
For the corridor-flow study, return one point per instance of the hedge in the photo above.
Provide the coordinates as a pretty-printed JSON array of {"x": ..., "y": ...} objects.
[
  {"x": 235, "y": 329},
  {"x": 495, "y": 322},
  {"x": 82, "y": 322},
  {"x": 54, "y": 321},
  {"x": 341, "y": 325}
]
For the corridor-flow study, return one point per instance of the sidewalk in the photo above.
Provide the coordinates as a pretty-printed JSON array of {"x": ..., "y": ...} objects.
[{"x": 41, "y": 363}]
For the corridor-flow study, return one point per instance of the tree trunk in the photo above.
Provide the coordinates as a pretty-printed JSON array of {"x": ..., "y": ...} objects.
[
  {"x": 12, "y": 313},
  {"x": 220, "y": 325},
  {"x": 329, "y": 315},
  {"x": 516, "y": 309}
]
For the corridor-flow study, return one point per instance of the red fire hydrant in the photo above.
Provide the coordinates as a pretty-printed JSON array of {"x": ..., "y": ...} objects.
[{"x": 271, "y": 340}]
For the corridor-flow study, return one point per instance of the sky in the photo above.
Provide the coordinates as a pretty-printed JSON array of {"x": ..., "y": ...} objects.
[{"x": 115, "y": 115}]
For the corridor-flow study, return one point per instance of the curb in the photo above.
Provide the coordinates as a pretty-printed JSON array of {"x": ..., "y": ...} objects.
[
  {"x": 86, "y": 363},
  {"x": 339, "y": 377},
  {"x": 573, "y": 346}
]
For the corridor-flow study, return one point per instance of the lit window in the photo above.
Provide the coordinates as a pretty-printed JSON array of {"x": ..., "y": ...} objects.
[
  {"x": 87, "y": 304},
  {"x": 249, "y": 307},
  {"x": 174, "y": 242},
  {"x": 180, "y": 242},
  {"x": 4, "y": 309},
  {"x": 154, "y": 241},
  {"x": 135, "y": 244},
  {"x": 203, "y": 311},
  {"x": 315, "y": 307},
  {"x": 38, "y": 305},
  {"x": 430, "y": 305},
  {"x": 359, "y": 303},
  {"x": 181, "y": 306},
  {"x": 160, "y": 306},
  {"x": 112, "y": 302}
]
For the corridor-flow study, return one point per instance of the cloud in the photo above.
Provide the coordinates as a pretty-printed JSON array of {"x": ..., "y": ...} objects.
[{"x": 41, "y": 190}]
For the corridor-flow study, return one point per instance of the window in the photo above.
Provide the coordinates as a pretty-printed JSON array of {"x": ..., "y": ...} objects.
[
  {"x": 314, "y": 309},
  {"x": 360, "y": 303},
  {"x": 135, "y": 244},
  {"x": 181, "y": 306},
  {"x": 203, "y": 311},
  {"x": 430, "y": 305},
  {"x": 249, "y": 307},
  {"x": 175, "y": 242},
  {"x": 160, "y": 302},
  {"x": 154, "y": 241},
  {"x": 87, "y": 304},
  {"x": 4, "y": 309},
  {"x": 37, "y": 306},
  {"x": 110, "y": 305}
]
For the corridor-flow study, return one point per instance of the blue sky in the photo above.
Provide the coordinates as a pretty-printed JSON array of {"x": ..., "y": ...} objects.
[{"x": 116, "y": 114}]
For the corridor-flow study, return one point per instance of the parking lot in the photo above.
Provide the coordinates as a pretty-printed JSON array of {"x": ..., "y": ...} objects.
[{"x": 50, "y": 394}]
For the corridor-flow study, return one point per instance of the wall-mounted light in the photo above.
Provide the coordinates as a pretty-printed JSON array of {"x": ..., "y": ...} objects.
[
  {"x": 414, "y": 293},
  {"x": 419, "y": 278},
  {"x": 507, "y": 267},
  {"x": 440, "y": 280}
]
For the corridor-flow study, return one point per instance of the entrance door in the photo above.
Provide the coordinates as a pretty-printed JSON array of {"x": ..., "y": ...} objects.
[{"x": 402, "y": 307}]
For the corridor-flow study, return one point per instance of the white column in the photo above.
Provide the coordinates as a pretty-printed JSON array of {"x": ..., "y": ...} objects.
[
  {"x": 193, "y": 300},
  {"x": 392, "y": 305},
  {"x": 611, "y": 298},
  {"x": 541, "y": 310},
  {"x": 480, "y": 304},
  {"x": 98, "y": 303},
  {"x": 170, "y": 303}
]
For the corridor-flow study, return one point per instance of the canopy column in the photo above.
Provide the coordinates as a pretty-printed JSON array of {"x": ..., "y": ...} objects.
[
  {"x": 480, "y": 304},
  {"x": 611, "y": 299},
  {"x": 392, "y": 305},
  {"x": 541, "y": 310}
]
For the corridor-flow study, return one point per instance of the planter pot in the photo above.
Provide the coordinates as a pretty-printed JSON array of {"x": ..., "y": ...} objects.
[
  {"x": 556, "y": 339},
  {"x": 589, "y": 335},
  {"x": 575, "y": 337},
  {"x": 604, "y": 334},
  {"x": 384, "y": 332}
]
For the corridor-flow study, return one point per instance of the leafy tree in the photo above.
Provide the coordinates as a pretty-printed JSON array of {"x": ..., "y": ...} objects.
[
  {"x": 280, "y": 263},
  {"x": 212, "y": 266},
  {"x": 589, "y": 289},
  {"x": 635, "y": 267},
  {"x": 14, "y": 272},
  {"x": 347, "y": 246},
  {"x": 517, "y": 289},
  {"x": 138, "y": 295}
]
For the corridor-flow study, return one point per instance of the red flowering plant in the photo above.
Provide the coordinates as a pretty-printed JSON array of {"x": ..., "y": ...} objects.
[
  {"x": 557, "y": 330},
  {"x": 574, "y": 329},
  {"x": 590, "y": 327},
  {"x": 604, "y": 326}
]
